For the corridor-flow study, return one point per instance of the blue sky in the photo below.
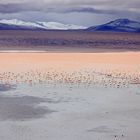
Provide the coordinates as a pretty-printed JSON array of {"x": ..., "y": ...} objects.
[{"x": 81, "y": 12}]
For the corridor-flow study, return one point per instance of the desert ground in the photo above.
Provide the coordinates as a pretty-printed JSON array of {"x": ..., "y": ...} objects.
[
  {"x": 70, "y": 96},
  {"x": 68, "y": 41}
]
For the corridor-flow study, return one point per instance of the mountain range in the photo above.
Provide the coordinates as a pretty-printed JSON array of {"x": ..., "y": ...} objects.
[
  {"x": 119, "y": 25},
  {"x": 16, "y": 24}
]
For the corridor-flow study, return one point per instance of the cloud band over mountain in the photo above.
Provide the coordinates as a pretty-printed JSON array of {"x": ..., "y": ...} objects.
[{"x": 25, "y": 8}]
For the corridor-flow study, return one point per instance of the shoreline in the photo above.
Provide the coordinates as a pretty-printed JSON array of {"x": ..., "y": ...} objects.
[{"x": 72, "y": 51}]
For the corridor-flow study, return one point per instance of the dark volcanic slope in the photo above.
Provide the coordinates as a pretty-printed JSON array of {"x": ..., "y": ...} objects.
[
  {"x": 52, "y": 40},
  {"x": 119, "y": 25}
]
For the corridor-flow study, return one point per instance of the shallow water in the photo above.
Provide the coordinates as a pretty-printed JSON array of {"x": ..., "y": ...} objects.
[
  {"x": 69, "y": 96},
  {"x": 67, "y": 61}
]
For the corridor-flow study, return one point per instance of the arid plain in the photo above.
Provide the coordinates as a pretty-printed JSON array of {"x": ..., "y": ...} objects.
[{"x": 68, "y": 41}]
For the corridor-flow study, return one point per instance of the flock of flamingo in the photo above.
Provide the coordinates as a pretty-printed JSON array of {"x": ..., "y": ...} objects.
[{"x": 90, "y": 77}]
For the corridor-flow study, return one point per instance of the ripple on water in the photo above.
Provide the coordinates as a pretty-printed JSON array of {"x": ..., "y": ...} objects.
[{"x": 22, "y": 108}]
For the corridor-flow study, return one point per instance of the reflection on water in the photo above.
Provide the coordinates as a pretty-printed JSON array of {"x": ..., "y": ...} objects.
[
  {"x": 7, "y": 87},
  {"x": 23, "y": 62},
  {"x": 22, "y": 108}
]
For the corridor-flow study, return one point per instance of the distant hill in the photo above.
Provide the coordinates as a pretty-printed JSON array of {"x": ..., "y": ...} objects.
[
  {"x": 119, "y": 25},
  {"x": 16, "y": 24}
]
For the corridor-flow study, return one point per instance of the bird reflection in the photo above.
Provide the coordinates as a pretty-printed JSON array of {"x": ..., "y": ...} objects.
[{"x": 91, "y": 77}]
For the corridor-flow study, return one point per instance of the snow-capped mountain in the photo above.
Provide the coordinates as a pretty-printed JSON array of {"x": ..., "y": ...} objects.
[
  {"x": 19, "y": 24},
  {"x": 60, "y": 26},
  {"x": 119, "y": 25}
]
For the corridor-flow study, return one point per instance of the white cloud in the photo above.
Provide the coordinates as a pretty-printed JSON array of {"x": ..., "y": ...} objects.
[{"x": 102, "y": 4}]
